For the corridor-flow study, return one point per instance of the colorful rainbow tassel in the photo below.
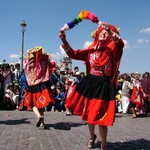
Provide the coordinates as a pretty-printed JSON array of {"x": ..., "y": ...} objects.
[{"x": 83, "y": 15}]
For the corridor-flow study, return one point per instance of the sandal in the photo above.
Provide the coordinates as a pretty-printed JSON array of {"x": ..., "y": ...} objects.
[
  {"x": 103, "y": 147},
  {"x": 134, "y": 116},
  {"x": 42, "y": 127},
  {"x": 90, "y": 143},
  {"x": 40, "y": 120}
]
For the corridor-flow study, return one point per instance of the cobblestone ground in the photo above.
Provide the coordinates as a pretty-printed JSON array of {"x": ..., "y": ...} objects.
[{"x": 18, "y": 132}]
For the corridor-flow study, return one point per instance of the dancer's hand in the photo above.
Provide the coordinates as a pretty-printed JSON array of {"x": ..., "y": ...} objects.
[
  {"x": 95, "y": 20},
  {"x": 51, "y": 58},
  {"x": 62, "y": 35}
]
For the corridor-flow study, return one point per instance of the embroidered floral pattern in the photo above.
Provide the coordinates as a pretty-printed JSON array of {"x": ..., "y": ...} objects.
[{"x": 100, "y": 63}]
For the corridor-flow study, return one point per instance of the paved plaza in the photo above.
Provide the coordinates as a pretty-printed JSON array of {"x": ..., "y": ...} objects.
[{"x": 18, "y": 132}]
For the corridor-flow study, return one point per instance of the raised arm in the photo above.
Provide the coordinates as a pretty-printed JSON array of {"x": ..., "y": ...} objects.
[{"x": 74, "y": 54}]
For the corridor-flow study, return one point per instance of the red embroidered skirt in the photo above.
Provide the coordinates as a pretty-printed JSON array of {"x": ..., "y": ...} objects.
[
  {"x": 38, "y": 95},
  {"x": 93, "y": 99}
]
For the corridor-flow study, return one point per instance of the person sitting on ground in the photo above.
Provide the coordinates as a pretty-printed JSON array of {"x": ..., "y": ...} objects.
[
  {"x": 11, "y": 98},
  {"x": 59, "y": 100}
]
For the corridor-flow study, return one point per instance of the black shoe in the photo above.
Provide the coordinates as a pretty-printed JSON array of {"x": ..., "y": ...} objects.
[{"x": 40, "y": 120}]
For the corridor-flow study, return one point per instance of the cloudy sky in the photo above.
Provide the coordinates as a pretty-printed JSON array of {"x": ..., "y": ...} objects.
[{"x": 44, "y": 18}]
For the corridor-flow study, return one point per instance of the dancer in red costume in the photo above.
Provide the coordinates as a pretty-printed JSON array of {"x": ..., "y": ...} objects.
[
  {"x": 94, "y": 97},
  {"x": 37, "y": 70}
]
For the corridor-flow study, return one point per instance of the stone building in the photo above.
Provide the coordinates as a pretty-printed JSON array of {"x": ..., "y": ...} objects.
[{"x": 65, "y": 64}]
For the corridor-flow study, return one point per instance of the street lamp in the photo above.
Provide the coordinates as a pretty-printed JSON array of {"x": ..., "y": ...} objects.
[
  {"x": 4, "y": 61},
  {"x": 23, "y": 25}
]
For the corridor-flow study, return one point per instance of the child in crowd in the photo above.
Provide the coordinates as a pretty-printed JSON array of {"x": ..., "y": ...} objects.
[{"x": 12, "y": 98}]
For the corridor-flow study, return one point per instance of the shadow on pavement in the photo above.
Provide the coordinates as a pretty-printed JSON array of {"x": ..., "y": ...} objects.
[
  {"x": 65, "y": 125},
  {"x": 140, "y": 144},
  {"x": 15, "y": 122}
]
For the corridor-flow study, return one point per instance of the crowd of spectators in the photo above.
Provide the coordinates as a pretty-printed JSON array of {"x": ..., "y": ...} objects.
[
  {"x": 13, "y": 87},
  {"x": 132, "y": 95},
  {"x": 9, "y": 86}
]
